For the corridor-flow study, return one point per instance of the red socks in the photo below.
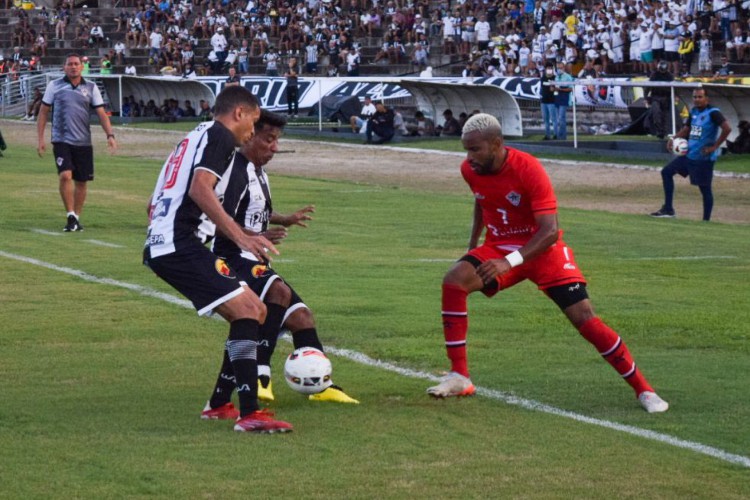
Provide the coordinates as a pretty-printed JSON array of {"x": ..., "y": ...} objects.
[
  {"x": 614, "y": 350},
  {"x": 455, "y": 325}
]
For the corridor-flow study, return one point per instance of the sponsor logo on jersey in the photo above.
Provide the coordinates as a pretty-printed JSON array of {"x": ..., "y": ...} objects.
[
  {"x": 223, "y": 269},
  {"x": 259, "y": 270},
  {"x": 569, "y": 266},
  {"x": 478, "y": 196},
  {"x": 155, "y": 239},
  {"x": 161, "y": 208},
  {"x": 514, "y": 198}
]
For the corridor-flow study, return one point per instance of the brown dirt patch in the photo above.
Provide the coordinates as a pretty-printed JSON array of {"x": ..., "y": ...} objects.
[{"x": 585, "y": 185}]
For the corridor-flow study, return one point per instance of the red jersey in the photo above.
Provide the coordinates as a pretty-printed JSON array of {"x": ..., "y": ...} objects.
[{"x": 512, "y": 198}]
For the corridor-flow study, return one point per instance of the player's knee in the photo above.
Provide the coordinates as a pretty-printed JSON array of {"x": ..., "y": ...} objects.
[
  {"x": 300, "y": 319},
  {"x": 279, "y": 293},
  {"x": 462, "y": 273},
  {"x": 250, "y": 306},
  {"x": 571, "y": 294}
]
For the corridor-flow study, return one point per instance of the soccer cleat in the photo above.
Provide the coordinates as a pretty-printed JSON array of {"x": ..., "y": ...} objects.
[
  {"x": 73, "y": 224},
  {"x": 652, "y": 403},
  {"x": 226, "y": 411},
  {"x": 663, "y": 212},
  {"x": 333, "y": 394},
  {"x": 261, "y": 421},
  {"x": 265, "y": 389},
  {"x": 452, "y": 385}
]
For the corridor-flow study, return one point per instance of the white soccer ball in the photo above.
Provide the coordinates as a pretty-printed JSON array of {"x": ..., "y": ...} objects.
[
  {"x": 679, "y": 146},
  {"x": 308, "y": 371}
]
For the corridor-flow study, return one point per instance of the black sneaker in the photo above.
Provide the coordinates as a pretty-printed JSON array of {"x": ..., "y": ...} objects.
[
  {"x": 663, "y": 213},
  {"x": 72, "y": 225}
]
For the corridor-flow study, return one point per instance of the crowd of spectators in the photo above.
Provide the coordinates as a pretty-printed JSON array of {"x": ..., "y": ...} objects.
[
  {"x": 495, "y": 37},
  {"x": 169, "y": 111}
]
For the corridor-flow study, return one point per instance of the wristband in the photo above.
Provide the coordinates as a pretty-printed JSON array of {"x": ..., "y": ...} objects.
[
  {"x": 514, "y": 258},
  {"x": 110, "y": 135}
]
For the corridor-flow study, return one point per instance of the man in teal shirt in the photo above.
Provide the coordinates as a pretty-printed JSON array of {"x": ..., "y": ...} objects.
[{"x": 563, "y": 96}]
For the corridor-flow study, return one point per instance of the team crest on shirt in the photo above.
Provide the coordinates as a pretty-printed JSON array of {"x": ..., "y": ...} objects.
[
  {"x": 259, "y": 270},
  {"x": 223, "y": 269},
  {"x": 514, "y": 198}
]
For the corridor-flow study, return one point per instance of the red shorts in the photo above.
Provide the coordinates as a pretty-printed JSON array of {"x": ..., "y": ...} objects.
[{"x": 555, "y": 267}]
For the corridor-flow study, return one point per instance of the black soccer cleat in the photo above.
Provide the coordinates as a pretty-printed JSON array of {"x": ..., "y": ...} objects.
[
  {"x": 663, "y": 212},
  {"x": 72, "y": 225}
]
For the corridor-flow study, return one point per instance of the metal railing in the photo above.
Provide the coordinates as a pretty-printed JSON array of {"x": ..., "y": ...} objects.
[{"x": 16, "y": 95}]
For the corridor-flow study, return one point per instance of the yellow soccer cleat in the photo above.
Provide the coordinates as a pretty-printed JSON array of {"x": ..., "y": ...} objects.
[
  {"x": 265, "y": 393},
  {"x": 333, "y": 394}
]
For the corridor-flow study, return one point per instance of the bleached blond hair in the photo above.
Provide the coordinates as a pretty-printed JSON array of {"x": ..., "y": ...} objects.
[{"x": 482, "y": 122}]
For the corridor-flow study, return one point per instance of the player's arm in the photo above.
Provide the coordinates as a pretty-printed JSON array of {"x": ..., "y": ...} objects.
[
  {"x": 477, "y": 225},
  {"x": 545, "y": 237},
  {"x": 293, "y": 219},
  {"x": 726, "y": 129},
  {"x": 41, "y": 125},
  {"x": 202, "y": 193},
  {"x": 107, "y": 127}
]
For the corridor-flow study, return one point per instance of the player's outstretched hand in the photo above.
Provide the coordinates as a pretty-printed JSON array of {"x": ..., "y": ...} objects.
[
  {"x": 275, "y": 234},
  {"x": 297, "y": 218},
  {"x": 491, "y": 269},
  {"x": 257, "y": 244}
]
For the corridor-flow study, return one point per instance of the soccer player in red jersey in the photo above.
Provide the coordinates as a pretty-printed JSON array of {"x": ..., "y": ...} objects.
[{"x": 516, "y": 207}]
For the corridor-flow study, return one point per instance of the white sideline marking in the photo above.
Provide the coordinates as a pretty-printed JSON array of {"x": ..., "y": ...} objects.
[
  {"x": 147, "y": 292},
  {"x": 684, "y": 257},
  {"x": 360, "y": 191},
  {"x": 361, "y": 358},
  {"x": 104, "y": 244},
  {"x": 45, "y": 232},
  {"x": 568, "y": 163},
  {"x": 432, "y": 260}
]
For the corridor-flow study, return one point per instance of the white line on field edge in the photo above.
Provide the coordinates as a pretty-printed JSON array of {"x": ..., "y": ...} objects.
[
  {"x": 684, "y": 257},
  {"x": 361, "y": 358},
  {"x": 104, "y": 244},
  {"x": 45, "y": 232}
]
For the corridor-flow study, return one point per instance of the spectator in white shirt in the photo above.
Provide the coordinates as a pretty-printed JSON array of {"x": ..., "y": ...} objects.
[{"x": 483, "y": 30}]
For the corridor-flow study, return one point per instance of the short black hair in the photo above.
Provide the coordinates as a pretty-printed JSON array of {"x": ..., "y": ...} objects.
[
  {"x": 233, "y": 96},
  {"x": 269, "y": 119}
]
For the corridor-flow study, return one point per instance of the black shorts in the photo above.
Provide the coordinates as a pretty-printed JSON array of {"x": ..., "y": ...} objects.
[
  {"x": 257, "y": 275},
  {"x": 259, "y": 278},
  {"x": 79, "y": 159},
  {"x": 202, "y": 277},
  {"x": 701, "y": 172},
  {"x": 671, "y": 56}
]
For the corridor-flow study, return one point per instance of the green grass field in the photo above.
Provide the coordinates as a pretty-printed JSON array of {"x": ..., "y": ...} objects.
[{"x": 103, "y": 381}]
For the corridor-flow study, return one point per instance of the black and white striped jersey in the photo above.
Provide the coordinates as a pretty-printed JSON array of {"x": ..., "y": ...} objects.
[
  {"x": 176, "y": 220},
  {"x": 248, "y": 201}
]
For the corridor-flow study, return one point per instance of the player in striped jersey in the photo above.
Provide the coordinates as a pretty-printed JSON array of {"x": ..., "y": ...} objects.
[
  {"x": 516, "y": 207},
  {"x": 249, "y": 198},
  {"x": 185, "y": 211}
]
